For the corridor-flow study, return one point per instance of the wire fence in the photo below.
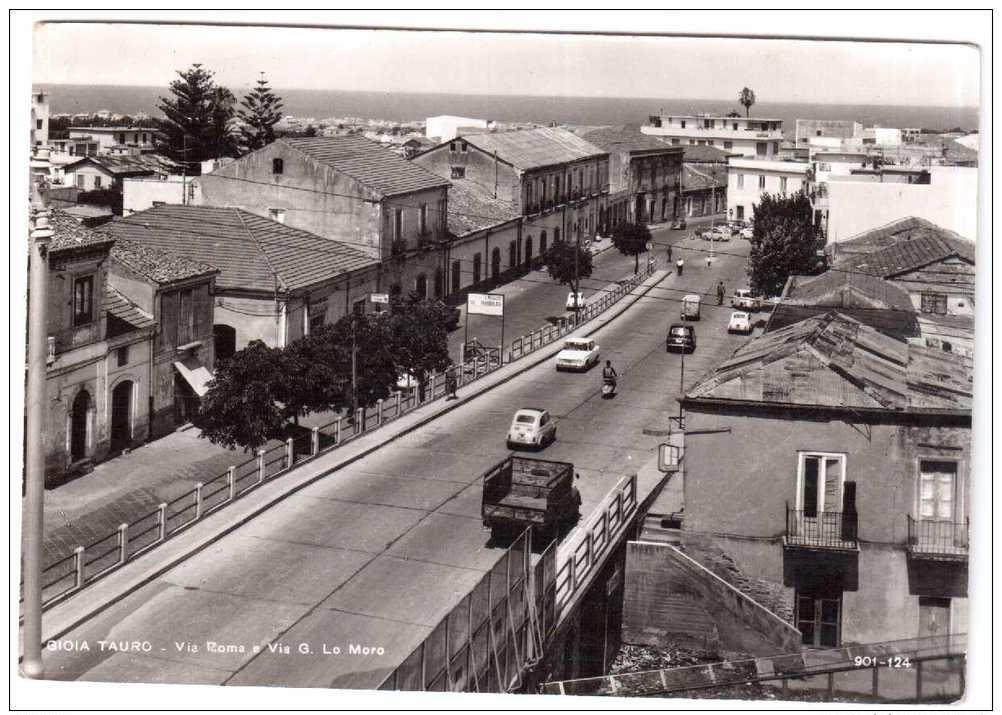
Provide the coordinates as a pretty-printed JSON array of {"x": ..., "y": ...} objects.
[{"x": 86, "y": 564}]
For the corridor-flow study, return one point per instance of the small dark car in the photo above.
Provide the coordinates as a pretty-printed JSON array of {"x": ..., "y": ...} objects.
[
  {"x": 681, "y": 337},
  {"x": 678, "y": 223}
]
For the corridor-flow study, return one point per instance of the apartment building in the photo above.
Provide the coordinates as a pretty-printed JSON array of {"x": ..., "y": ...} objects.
[
  {"x": 752, "y": 137},
  {"x": 748, "y": 179}
]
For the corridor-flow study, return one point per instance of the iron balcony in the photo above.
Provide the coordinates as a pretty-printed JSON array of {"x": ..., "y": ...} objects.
[
  {"x": 936, "y": 539},
  {"x": 821, "y": 529}
]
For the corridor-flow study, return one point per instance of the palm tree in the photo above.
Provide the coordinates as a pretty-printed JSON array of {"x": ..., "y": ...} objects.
[{"x": 747, "y": 99}]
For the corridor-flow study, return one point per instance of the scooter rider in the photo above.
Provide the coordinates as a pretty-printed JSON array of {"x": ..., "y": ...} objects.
[{"x": 609, "y": 374}]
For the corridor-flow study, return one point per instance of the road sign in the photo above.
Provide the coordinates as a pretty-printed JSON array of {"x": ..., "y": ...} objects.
[
  {"x": 485, "y": 304},
  {"x": 379, "y": 297}
]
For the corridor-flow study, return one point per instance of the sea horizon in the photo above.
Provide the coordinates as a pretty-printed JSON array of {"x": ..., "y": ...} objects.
[{"x": 320, "y": 104}]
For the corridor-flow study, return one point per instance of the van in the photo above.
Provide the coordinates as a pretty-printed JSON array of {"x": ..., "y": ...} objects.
[{"x": 690, "y": 307}]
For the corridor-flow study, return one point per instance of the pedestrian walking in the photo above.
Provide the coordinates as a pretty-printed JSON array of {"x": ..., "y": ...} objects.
[
  {"x": 450, "y": 385},
  {"x": 720, "y": 293},
  {"x": 679, "y": 265},
  {"x": 669, "y": 253}
]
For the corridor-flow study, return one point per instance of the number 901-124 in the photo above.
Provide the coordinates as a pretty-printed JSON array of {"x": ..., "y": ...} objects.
[{"x": 869, "y": 661}]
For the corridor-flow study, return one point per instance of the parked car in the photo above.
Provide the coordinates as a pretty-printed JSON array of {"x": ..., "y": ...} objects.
[
  {"x": 577, "y": 354},
  {"x": 681, "y": 337},
  {"x": 575, "y": 301},
  {"x": 740, "y": 322},
  {"x": 746, "y": 232},
  {"x": 690, "y": 307},
  {"x": 717, "y": 233},
  {"x": 531, "y": 427},
  {"x": 678, "y": 224},
  {"x": 744, "y": 300}
]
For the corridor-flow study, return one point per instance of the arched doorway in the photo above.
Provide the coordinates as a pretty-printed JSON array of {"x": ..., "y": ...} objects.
[
  {"x": 224, "y": 340},
  {"x": 495, "y": 263},
  {"x": 439, "y": 283},
  {"x": 528, "y": 252},
  {"x": 421, "y": 286},
  {"x": 542, "y": 245},
  {"x": 121, "y": 416},
  {"x": 78, "y": 426}
]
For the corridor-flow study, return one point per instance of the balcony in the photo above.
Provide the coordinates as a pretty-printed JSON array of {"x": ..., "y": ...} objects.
[
  {"x": 938, "y": 540},
  {"x": 827, "y": 530}
]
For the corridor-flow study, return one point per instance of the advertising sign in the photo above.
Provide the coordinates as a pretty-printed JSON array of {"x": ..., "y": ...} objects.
[{"x": 485, "y": 304}]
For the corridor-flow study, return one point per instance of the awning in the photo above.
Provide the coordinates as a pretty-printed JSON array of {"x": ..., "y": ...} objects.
[{"x": 195, "y": 374}]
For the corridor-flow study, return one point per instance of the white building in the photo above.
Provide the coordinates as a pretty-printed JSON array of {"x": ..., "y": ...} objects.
[
  {"x": 39, "y": 118},
  {"x": 882, "y": 136},
  {"x": 140, "y": 139},
  {"x": 141, "y": 193},
  {"x": 447, "y": 127},
  {"x": 808, "y": 129},
  {"x": 748, "y": 179},
  {"x": 752, "y": 137}
]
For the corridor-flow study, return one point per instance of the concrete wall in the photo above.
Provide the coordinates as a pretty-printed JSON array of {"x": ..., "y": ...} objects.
[
  {"x": 482, "y": 244},
  {"x": 140, "y": 194},
  {"x": 808, "y": 129}
]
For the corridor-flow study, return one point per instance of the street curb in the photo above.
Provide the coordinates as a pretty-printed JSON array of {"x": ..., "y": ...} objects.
[{"x": 543, "y": 354}]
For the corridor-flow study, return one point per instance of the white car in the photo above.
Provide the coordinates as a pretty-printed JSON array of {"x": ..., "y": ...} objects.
[
  {"x": 531, "y": 427},
  {"x": 575, "y": 301},
  {"x": 740, "y": 322},
  {"x": 718, "y": 233},
  {"x": 744, "y": 300},
  {"x": 746, "y": 232},
  {"x": 577, "y": 354}
]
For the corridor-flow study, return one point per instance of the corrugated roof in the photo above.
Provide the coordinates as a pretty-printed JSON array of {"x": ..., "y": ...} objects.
[
  {"x": 703, "y": 178},
  {"x": 833, "y": 360},
  {"x": 368, "y": 162},
  {"x": 534, "y": 148},
  {"x": 130, "y": 165},
  {"x": 159, "y": 266},
  {"x": 69, "y": 233},
  {"x": 251, "y": 252},
  {"x": 900, "y": 247},
  {"x": 121, "y": 307},
  {"x": 472, "y": 209},
  {"x": 625, "y": 138}
]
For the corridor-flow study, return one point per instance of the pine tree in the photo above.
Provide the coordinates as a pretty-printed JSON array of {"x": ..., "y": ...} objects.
[
  {"x": 262, "y": 110},
  {"x": 198, "y": 117}
]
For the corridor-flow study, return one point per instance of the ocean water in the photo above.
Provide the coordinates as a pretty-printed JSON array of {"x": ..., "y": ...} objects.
[{"x": 397, "y": 106}]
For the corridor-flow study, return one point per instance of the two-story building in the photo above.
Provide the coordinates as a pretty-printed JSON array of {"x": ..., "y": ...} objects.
[
  {"x": 645, "y": 176},
  {"x": 856, "y": 448},
  {"x": 555, "y": 180},
  {"x": 752, "y": 137},
  {"x": 807, "y": 129},
  {"x": 348, "y": 190},
  {"x": 748, "y": 179},
  {"x": 276, "y": 283},
  {"x": 85, "y": 141},
  {"x": 94, "y": 173}
]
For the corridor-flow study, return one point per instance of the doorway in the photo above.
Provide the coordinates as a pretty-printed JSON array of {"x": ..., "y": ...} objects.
[
  {"x": 224, "y": 340},
  {"x": 78, "y": 426},
  {"x": 819, "y": 618},
  {"x": 121, "y": 416}
]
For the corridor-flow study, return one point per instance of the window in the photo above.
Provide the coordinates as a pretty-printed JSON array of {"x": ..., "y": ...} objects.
[
  {"x": 934, "y": 303},
  {"x": 439, "y": 283},
  {"x": 358, "y": 307},
  {"x": 761, "y": 149},
  {"x": 741, "y": 181},
  {"x": 934, "y": 616},
  {"x": 709, "y": 142},
  {"x": 144, "y": 137},
  {"x": 398, "y": 224},
  {"x": 97, "y": 182},
  {"x": 421, "y": 286},
  {"x": 462, "y": 147},
  {"x": 817, "y": 133},
  {"x": 735, "y": 126},
  {"x": 728, "y": 145},
  {"x": 819, "y": 617},
  {"x": 277, "y": 215},
  {"x": 423, "y": 219},
  {"x": 692, "y": 142},
  {"x": 761, "y": 181},
  {"x": 707, "y": 124},
  {"x": 683, "y": 124},
  {"x": 277, "y": 166},
  {"x": 937, "y": 491},
  {"x": 476, "y": 268},
  {"x": 38, "y": 124},
  {"x": 782, "y": 185},
  {"x": 458, "y": 172},
  {"x": 820, "y": 478},
  {"x": 457, "y": 283},
  {"x": 741, "y": 213},
  {"x": 452, "y": 146},
  {"x": 83, "y": 300},
  {"x": 80, "y": 181},
  {"x": 675, "y": 141},
  {"x": 122, "y": 356},
  {"x": 316, "y": 316}
]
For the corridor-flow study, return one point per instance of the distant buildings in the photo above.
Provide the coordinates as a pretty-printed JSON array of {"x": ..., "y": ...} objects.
[
  {"x": 807, "y": 129},
  {"x": 748, "y": 179},
  {"x": 86, "y": 141},
  {"x": 445, "y": 127},
  {"x": 752, "y": 137},
  {"x": 90, "y": 173},
  {"x": 39, "y": 118}
]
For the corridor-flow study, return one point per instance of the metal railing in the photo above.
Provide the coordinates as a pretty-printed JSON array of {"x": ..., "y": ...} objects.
[
  {"x": 71, "y": 573},
  {"x": 821, "y": 529},
  {"x": 931, "y": 537}
]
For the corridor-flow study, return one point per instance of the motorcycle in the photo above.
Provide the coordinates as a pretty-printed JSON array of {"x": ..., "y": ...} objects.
[{"x": 608, "y": 386}]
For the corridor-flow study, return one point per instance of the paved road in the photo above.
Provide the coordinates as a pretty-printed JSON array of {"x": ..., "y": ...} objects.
[{"x": 378, "y": 552}]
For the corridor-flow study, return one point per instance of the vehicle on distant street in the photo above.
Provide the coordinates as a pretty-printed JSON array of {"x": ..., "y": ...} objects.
[
  {"x": 740, "y": 322},
  {"x": 678, "y": 224},
  {"x": 531, "y": 427},
  {"x": 690, "y": 307},
  {"x": 578, "y": 354},
  {"x": 746, "y": 232},
  {"x": 575, "y": 301},
  {"x": 522, "y": 492},
  {"x": 681, "y": 337},
  {"x": 744, "y": 300},
  {"x": 717, "y": 233}
]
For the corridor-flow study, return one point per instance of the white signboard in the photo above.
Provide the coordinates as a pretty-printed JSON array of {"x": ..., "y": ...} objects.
[
  {"x": 485, "y": 304},
  {"x": 380, "y": 297}
]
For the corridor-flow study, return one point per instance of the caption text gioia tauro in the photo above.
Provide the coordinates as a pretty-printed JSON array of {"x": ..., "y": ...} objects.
[{"x": 142, "y": 646}]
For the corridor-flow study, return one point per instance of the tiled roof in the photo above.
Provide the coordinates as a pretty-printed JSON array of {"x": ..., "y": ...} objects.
[
  {"x": 158, "y": 265},
  {"x": 472, "y": 209},
  {"x": 900, "y": 247},
  {"x": 126, "y": 165},
  {"x": 251, "y": 252},
  {"x": 123, "y": 308},
  {"x": 69, "y": 233},
  {"x": 534, "y": 148},
  {"x": 368, "y": 162},
  {"x": 705, "y": 177},
  {"x": 705, "y": 154},
  {"x": 834, "y": 361},
  {"x": 625, "y": 138}
]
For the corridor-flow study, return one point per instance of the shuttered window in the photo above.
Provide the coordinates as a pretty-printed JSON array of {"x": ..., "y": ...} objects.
[{"x": 937, "y": 490}]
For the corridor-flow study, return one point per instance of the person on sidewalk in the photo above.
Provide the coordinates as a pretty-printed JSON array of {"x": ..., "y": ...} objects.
[
  {"x": 720, "y": 293},
  {"x": 679, "y": 265},
  {"x": 450, "y": 385},
  {"x": 669, "y": 254}
]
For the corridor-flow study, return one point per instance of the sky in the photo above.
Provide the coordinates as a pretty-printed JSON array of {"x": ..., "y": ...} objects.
[{"x": 495, "y": 63}]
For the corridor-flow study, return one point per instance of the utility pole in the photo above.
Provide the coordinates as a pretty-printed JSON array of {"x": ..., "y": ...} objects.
[
  {"x": 681, "y": 388},
  {"x": 41, "y": 235},
  {"x": 354, "y": 371}
]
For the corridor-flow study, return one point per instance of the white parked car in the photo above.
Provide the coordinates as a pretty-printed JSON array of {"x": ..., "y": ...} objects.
[
  {"x": 531, "y": 427},
  {"x": 744, "y": 300},
  {"x": 577, "y": 354},
  {"x": 718, "y": 233},
  {"x": 740, "y": 322},
  {"x": 575, "y": 301},
  {"x": 746, "y": 232}
]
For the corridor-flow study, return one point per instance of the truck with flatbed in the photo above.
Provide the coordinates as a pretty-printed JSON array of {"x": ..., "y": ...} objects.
[{"x": 521, "y": 492}]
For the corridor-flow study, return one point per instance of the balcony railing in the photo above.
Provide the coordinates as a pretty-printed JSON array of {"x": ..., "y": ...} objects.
[
  {"x": 821, "y": 529},
  {"x": 930, "y": 538}
]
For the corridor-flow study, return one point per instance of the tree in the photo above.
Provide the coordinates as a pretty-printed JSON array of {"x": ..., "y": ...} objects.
[
  {"x": 418, "y": 337},
  {"x": 567, "y": 262},
  {"x": 733, "y": 113},
  {"x": 631, "y": 239},
  {"x": 784, "y": 242},
  {"x": 310, "y": 131},
  {"x": 199, "y": 117},
  {"x": 747, "y": 99},
  {"x": 261, "y": 112}
]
